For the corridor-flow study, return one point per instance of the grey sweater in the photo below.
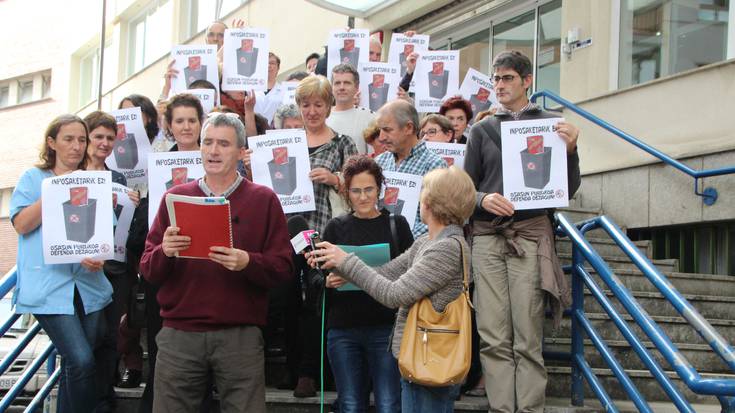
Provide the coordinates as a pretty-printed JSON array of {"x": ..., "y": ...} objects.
[{"x": 430, "y": 268}]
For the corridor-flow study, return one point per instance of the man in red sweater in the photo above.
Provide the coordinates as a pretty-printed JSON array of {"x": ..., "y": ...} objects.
[{"x": 211, "y": 309}]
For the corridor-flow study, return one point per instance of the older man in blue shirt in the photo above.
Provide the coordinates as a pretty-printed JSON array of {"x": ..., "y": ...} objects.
[{"x": 399, "y": 127}]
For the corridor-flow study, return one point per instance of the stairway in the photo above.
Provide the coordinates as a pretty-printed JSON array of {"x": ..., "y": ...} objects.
[{"x": 713, "y": 296}]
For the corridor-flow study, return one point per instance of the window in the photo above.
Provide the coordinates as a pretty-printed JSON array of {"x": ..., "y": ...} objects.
[
  {"x": 5, "y": 196},
  {"x": 533, "y": 30},
  {"x": 204, "y": 12},
  {"x": 25, "y": 91},
  {"x": 46, "y": 86},
  {"x": 88, "y": 71},
  {"x": 4, "y": 96},
  {"x": 149, "y": 35},
  {"x": 663, "y": 37}
]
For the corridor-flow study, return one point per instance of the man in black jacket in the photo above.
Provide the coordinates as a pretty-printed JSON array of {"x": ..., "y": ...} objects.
[{"x": 510, "y": 278}]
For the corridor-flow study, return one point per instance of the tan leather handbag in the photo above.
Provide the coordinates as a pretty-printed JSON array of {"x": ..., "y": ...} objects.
[{"x": 436, "y": 347}]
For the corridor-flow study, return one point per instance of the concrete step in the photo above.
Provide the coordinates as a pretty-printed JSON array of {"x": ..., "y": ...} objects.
[
  {"x": 685, "y": 283},
  {"x": 711, "y": 307},
  {"x": 559, "y": 383},
  {"x": 282, "y": 401},
  {"x": 700, "y": 355},
  {"x": 604, "y": 246},
  {"x": 623, "y": 262},
  {"x": 678, "y": 330}
]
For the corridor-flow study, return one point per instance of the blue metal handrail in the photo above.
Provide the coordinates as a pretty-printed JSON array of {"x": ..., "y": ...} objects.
[
  {"x": 7, "y": 283},
  {"x": 583, "y": 252},
  {"x": 709, "y": 195}
]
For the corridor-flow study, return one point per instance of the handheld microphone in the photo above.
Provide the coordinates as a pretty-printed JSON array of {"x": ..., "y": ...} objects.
[{"x": 296, "y": 225}]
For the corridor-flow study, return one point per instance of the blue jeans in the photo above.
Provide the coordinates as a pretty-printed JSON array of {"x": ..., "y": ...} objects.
[
  {"x": 358, "y": 355},
  {"x": 75, "y": 337},
  {"x": 422, "y": 399}
]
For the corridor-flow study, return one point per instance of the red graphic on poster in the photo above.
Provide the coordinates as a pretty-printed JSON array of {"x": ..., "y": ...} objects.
[
  {"x": 78, "y": 195},
  {"x": 195, "y": 62},
  {"x": 280, "y": 155}
]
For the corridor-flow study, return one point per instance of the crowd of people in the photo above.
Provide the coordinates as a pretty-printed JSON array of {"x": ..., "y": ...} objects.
[{"x": 206, "y": 319}]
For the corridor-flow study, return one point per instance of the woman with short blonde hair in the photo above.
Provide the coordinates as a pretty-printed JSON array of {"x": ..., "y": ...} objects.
[{"x": 450, "y": 195}]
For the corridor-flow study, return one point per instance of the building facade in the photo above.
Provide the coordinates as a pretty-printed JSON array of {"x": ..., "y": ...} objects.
[{"x": 661, "y": 70}]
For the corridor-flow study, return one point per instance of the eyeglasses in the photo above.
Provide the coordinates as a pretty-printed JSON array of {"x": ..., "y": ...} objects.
[
  {"x": 429, "y": 132},
  {"x": 504, "y": 78},
  {"x": 369, "y": 191}
]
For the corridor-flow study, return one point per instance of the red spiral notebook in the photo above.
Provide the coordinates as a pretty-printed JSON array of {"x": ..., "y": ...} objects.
[{"x": 206, "y": 220}]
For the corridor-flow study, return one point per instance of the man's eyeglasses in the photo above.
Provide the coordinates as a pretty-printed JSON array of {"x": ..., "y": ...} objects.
[
  {"x": 504, "y": 78},
  {"x": 369, "y": 191}
]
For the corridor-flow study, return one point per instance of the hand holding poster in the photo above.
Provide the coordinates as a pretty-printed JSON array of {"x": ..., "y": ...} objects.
[
  {"x": 478, "y": 89},
  {"x": 401, "y": 46},
  {"x": 534, "y": 164},
  {"x": 206, "y": 98},
  {"x": 378, "y": 84},
  {"x": 436, "y": 77},
  {"x": 76, "y": 211},
  {"x": 452, "y": 153},
  {"x": 400, "y": 195},
  {"x": 350, "y": 47},
  {"x": 194, "y": 63},
  {"x": 168, "y": 169},
  {"x": 280, "y": 161},
  {"x": 245, "y": 61},
  {"x": 123, "y": 209},
  {"x": 130, "y": 151}
]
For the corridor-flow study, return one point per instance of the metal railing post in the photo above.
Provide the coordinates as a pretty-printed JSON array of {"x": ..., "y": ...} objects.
[{"x": 577, "y": 338}]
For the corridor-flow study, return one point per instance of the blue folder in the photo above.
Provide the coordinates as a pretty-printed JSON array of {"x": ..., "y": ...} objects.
[{"x": 373, "y": 255}]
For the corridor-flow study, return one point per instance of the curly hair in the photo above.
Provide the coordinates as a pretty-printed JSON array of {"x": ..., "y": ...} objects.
[{"x": 356, "y": 165}]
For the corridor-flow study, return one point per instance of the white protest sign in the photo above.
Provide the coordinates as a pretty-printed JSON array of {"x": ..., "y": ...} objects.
[
  {"x": 478, "y": 89},
  {"x": 288, "y": 89},
  {"x": 245, "y": 60},
  {"x": 206, "y": 97},
  {"x": 130, "y": 153},
  {"x": 198, "y": 62},
  {"x": 400, "y": 195},
  {"x": 401, "y": 46},
  {"x": 452, "y": 153},
  {"x": 123, "y": 209},
  {"x": 350, "y": 47},
  {"x": 436, "y": 77},
  {"x": 534, "y": 164},
  {"x": 168, "y": 169},
  {"x": 280, "y": 161},
  {"x": 76, "y": 212},
  {"x": 378, "y": 84}
]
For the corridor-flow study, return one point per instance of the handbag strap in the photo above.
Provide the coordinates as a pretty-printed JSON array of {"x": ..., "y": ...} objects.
[
  {"x": 465, "y": 276},
  {"x": 393, "y": 233}
]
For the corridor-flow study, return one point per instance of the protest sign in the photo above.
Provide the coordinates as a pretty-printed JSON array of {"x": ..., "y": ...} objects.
[
  {"x": 350, "y": 47},
  {"x": 401, "y": 46},
  {"x": 280, "y": 161},
  {"x": 477, "y": 88},
  {"x": 400, "y": 195},
  {"x": 168, "y": 169},
  {"x": 288, "y": 90},
  {"x": 76, "y": 211},
  {"x": 378, "y": 84},
  {"x": 452, "y": 153},
  {"x": 436, "y": 78},
  {"x": 123, "y": 209},
  {"x": 207, "y": 97},
  {"x": 195, "y": 62},
  {"x": 534, "y": 164},
  {"x": 245, "y": 59},
  {"x": 130, "y": 152}
]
